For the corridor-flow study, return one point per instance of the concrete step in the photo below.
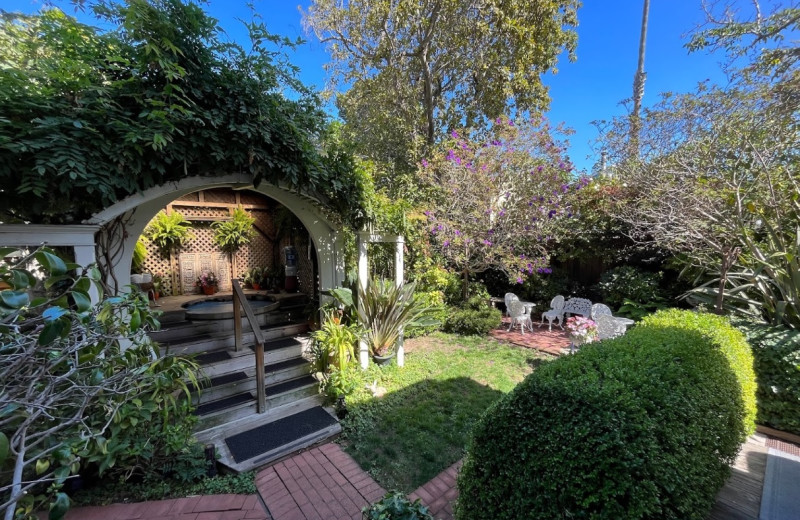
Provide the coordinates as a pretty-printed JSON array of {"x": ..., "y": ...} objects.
[{"x": 217, "y": 435}]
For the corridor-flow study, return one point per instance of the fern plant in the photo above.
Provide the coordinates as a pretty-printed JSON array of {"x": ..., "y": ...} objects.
[
  {"x": 231, "y": 235},
  {"x": 169, "y": 231}
]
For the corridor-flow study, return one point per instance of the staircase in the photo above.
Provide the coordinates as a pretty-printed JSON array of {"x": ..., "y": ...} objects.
[{"x": 227, "y": 405}]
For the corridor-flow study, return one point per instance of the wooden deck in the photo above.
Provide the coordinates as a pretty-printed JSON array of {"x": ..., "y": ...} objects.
[{"x": 740, "y": 498}]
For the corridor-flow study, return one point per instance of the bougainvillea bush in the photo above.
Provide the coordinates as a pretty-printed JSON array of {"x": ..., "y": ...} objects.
[{"x": 500, "y": 198}]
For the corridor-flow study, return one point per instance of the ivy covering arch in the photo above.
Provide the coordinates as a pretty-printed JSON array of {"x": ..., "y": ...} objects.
[{"x": 91, "y": 116}]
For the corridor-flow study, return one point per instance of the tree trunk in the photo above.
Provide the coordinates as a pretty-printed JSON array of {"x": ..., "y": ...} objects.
[
  {"x": 638, "y": 83},
  {"x": 729, "y": 256}
]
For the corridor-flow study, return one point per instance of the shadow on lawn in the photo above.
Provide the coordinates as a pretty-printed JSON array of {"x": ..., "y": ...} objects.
[{"x": 408, "y": 436}]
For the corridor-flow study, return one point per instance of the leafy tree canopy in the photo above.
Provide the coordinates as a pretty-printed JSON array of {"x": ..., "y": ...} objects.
[
  {"x": 419, "y": 69},
  {"x": 502, "y": 198},
  {"x": 89, "y": 116}
]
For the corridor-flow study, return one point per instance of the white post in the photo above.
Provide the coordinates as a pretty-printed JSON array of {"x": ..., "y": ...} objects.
[
  {"x": 363, "y": 275},
  {"x": 398, "y": 280},
  {"x": 84, "y": 255}
]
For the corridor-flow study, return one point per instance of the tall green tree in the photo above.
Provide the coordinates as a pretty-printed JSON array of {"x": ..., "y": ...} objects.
[{"x": 416, "y": 69}]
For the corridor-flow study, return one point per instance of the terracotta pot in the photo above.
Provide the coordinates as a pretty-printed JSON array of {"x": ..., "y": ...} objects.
[
  {"x": 209, "y": 290},
  {"x": 256, "y": 286}
]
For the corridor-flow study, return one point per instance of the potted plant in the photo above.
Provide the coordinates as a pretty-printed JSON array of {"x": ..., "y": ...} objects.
[
  {"x": 231, "y": 235},
  {"x": 383, "y": 310},
  {"x": 253, "y": 277},
  {"x": 169, "y": 232},
  {"x": 158, "y": 283},
  {"x": 581, "y": 330},
  {"x": 207, "y": 282}
]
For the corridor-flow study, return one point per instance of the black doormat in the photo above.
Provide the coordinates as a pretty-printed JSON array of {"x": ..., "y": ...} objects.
[
  {"x": 213, "y": 406},
  {"x": 212, "y": 357},
  {"x": 263, "y": 439},
  {"x": 278, "y": 343}
]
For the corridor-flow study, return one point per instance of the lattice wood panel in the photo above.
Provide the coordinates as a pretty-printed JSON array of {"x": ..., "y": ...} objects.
[
  {"x": 227, "y": 196},
  {"x": 201, "y": 253}
]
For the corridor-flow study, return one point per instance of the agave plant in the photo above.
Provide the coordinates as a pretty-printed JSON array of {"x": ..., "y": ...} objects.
[
  {"x": 769, "y": 287},
  {"x": 384, "y": 309}
]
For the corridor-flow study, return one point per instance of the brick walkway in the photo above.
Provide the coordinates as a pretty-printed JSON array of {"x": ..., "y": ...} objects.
[
  {"x": 440, "y": 493},
  {"x": 212, "y": 507},
  {"x": 541, "y": 339},
  {"x": 323, "y": 483}
]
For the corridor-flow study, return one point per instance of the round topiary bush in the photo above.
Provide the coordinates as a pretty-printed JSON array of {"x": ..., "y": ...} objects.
[
  {"x": 728, "y": 339},
  {"x": 643, "y": 426}
]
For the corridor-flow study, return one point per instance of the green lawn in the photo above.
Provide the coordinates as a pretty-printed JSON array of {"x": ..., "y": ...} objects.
[{"x": 421, "y": 425}]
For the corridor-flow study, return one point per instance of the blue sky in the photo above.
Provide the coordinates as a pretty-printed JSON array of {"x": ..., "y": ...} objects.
[{"x": 589, "y": 89}]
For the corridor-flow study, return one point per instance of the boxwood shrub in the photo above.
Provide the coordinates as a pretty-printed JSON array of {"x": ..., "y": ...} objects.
[
  {"x": 643, "y": 426},
  {"x": 476, "y": 317},
  {"x": 722, "y": 335},
  {"x": 777, "y": 362}
]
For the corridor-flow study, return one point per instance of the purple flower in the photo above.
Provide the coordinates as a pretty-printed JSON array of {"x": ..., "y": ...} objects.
[
  {"x": 510, "y": 123},
  {"x": 424, "y": 163},
  {"x": 451, "y": 155},
  {"x": 458, "y": 161},
  {"x": 454, "y": 134},
  {"x": 539, "y": 169},
  {"x": 519, "y": 280},
  {"x": 457, "y": 233},
  {"x": 426, "y": 213},
  {"x": 491, "y": 231},
  {"x": 487, "y": 243},
  {"x": 463, "y": 146},
  {"x": 446, "y": 243},
  {"x": 502, "y": 213},
  {"x": 498, "y": 120},
  {"x": 551, "y": 214}
]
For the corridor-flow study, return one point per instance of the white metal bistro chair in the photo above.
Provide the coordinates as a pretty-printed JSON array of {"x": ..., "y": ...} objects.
[
  {"x": 510, "y": 297},
  {"x": 556, "y": 312},
  {"x": 600, "y": 309},
  {"x": 516, "y": 312},
  {"x": 608, "y": 327}
]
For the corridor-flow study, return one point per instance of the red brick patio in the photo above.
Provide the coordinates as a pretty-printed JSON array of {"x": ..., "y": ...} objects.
[{"x": 541, "y": 339}]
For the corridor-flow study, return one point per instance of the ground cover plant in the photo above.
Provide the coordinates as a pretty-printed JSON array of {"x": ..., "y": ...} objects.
[
  {"x": 116, "y": 492},
  {"x": 644, "y": 426},
  {"x": 420, "y": 426}
]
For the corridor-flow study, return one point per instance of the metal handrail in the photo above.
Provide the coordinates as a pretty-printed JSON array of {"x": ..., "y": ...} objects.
[{"x": 240, "y": 302}]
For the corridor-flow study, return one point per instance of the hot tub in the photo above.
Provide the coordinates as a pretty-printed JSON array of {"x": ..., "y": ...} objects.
[{"x": 221, "y": 307}]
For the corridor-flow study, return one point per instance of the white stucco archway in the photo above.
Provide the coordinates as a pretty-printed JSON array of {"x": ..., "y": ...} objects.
[{"x": 140, "y": 208}]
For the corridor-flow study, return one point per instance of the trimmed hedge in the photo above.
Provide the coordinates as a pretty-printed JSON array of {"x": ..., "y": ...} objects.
[
  {"x": 777, "y": 363},
  {"x": 643, "y": 426},
  {"x": 476, "y": 318},
  {"x": 722, "y": 335}
]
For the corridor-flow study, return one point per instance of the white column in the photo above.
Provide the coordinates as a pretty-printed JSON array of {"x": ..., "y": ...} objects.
[
  {"x": 363, "y": 275},
  {"x": 399, "y": 279},
  {"x": 84, "y": 256}
]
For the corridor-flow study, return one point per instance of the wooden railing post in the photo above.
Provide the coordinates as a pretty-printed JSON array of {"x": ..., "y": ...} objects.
[
  {"x": 240, "y": 303},
  {"x": 261, "y": 400},
  {"x": 237, "y": 316}
]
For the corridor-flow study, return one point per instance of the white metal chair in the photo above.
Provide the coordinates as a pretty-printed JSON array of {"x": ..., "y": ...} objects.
[
  {"x": 608, "y": 327},
  {"x": 516, "y": 311},
  {"x": 600, "y": 309},
  {"x": 510, "y": 297},
  {"x": 556, "y": 312}
]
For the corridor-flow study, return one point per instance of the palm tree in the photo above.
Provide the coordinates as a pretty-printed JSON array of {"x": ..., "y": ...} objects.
[{"x": 638, "y": 82}]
